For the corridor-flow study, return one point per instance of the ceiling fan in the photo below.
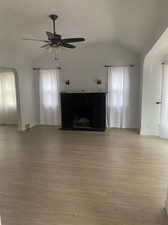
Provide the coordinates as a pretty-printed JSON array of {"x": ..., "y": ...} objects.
[{"x": 55, "y": 40}]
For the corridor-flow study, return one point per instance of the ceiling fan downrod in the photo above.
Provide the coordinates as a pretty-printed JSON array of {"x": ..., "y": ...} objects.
[{"x": 53, "y": 17}]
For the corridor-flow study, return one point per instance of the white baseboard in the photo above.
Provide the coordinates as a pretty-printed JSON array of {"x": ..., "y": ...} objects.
[
  {"x": 149, "y": 132},
  {"x": 30, "y": 126}
]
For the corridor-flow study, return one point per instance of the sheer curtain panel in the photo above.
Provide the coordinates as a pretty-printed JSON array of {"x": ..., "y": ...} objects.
[
  {"x": 49, "y": 83},
  {"x": 122, "y": 101},
  {"x": 8, "y": 105}
]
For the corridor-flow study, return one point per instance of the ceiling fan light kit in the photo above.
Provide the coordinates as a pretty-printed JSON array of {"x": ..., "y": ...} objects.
[{"x": 55, "y": 40}]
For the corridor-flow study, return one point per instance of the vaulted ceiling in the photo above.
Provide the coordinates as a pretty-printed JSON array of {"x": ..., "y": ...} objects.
[{"x": 136, "y": 24}]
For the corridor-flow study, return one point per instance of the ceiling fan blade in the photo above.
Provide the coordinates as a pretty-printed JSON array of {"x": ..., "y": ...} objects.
[
  {"x": 50, "y": 35},
  {"x": 66, "y": 45},
  {"x": 30, "y": 39},
  {"x": 46, "y": 45},
  {"x": 71, "y": 40}
]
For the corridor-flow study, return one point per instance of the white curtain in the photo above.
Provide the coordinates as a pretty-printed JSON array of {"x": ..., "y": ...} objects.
[
  {"x": 122, "y": 101},
  {"x": 8, "y": 106},
  {"x": 164, "y": 105},
  {"x": 49, "y": 83}
]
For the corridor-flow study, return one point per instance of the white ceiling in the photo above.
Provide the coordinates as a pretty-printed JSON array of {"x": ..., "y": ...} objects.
[{"x": 133, "y": 23}]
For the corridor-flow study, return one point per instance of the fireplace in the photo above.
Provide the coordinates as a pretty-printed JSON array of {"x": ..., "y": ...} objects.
[{"x": 83, "y": 111}]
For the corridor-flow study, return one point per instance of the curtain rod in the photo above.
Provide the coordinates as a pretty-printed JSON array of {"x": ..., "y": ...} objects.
[
  {"x": 119, "y": 66},
  {"x": 7, "y": 68},
  {"x": 38, "y": 68}
]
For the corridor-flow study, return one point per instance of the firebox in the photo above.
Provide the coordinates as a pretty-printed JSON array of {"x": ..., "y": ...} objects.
[{"x": 83, "y": 111}]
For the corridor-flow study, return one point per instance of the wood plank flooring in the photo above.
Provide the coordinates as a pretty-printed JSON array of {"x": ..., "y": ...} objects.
[{"x": 53, "y": 177}]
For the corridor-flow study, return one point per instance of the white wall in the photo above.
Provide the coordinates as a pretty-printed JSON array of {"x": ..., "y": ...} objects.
[
  {"x": 27, "y": 99},
  {"x": 150, "y": 118},
  {"x": 24, "y": 71},
  {"x": 151, "y": 91},
  {"x": 83, "y": 65}
]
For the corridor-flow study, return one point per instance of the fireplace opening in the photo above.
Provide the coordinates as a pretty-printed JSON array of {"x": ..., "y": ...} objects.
[
  {"x": 81, "y": 122},
  {"x": 82, "y": 117}
]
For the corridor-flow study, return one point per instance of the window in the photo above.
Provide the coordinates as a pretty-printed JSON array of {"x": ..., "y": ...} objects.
[
  {"x": 8, "y": 105},
  {"x": 49, "y": 97},
  {"x": 122, "y": 104}
]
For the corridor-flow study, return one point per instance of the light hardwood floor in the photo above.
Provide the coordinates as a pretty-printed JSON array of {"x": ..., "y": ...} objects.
[{"x": 52, "y": 177}]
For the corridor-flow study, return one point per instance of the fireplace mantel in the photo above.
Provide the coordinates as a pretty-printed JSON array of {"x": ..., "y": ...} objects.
[{"x": 84, "y": 92}]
